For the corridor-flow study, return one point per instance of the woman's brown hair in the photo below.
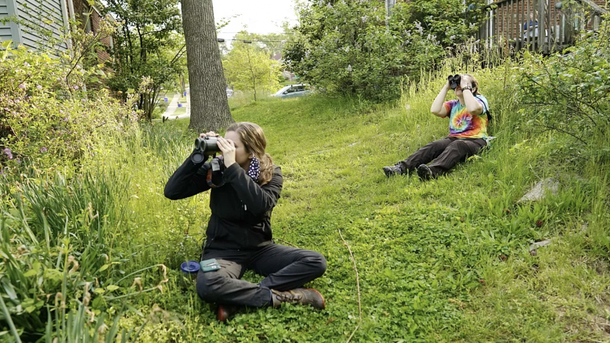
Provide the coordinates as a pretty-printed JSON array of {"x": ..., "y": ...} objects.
[{"x": 253, "y": 139}]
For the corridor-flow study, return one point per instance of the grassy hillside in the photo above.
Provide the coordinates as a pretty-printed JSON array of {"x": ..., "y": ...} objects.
[
  {"x": 441, "y": 261},
  {"x": 445, "y": 260}
]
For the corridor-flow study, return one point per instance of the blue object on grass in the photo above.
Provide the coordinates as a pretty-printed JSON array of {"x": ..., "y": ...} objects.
[{"x": 190, "y": 267}]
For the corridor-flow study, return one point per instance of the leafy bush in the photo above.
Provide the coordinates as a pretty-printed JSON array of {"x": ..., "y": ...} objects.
[
  {"x": 46, "y": 120},
  {"x": 569, "y": 92},
  {"x": 57, "y": 232},
  {"x": 351, "y": 48}
]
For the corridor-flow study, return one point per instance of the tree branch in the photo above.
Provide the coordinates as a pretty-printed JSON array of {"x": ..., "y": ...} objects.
[{"x": 551, "y": 127}]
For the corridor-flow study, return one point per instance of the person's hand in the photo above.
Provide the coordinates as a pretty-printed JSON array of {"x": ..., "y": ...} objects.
[
  {"x": 447, "y": 85},
  {"x": 208, "y": 134},
  {"x": 466, "y": 81},
  {"x": 227, "y": 147}
]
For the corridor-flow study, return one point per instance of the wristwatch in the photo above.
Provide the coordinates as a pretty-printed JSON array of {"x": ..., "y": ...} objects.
[{"x": 467, "y": 87}]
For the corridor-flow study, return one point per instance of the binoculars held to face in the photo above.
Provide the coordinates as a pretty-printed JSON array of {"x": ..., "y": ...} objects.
[
  {"x": 454, "y": 81},
  {"x": 207, "y": 144},
  {"x": 204, "y": 145}
]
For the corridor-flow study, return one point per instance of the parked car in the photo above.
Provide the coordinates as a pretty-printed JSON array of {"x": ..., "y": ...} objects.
[
  {"x": 229, "y": 92},
  {"x": 293, "y": 91}
]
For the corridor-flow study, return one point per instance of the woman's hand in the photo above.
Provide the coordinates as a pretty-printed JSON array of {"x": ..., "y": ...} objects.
[
  {"x": 208, "y": 134},
  {"x": 228, "y": 150}
]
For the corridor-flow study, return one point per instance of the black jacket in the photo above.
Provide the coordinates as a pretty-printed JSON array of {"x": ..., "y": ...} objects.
[{"x": 241, "y": 208}]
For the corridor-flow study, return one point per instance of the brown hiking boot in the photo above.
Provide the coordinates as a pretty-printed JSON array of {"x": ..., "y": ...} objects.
[
  {"x": 225, "y": 311},
  {"x": 302, "y": 296}
]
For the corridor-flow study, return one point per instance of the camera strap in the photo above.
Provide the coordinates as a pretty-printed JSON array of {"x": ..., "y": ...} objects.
[
  {"x": 214, "y": 171},
  {"x": 208, "y": 179},
  {"x": 486, "y": 110}
]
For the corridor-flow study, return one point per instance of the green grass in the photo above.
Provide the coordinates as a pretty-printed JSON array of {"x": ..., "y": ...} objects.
[
  {"x": 441, "y": 261},
  {"x": 429, "y": 255}
]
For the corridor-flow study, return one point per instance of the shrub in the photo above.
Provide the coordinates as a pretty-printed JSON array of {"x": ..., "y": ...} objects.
[
  {"x": 569, "y": 92},
  {"x": 46, "y": 120}
]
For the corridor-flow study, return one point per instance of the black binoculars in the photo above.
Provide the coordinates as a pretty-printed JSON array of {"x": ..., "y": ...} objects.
[
  {"x": 204, "y": 145},
  {"x": 454, "y": 81}
]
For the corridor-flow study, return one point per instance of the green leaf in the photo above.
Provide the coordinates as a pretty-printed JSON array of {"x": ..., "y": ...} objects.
[
  {"x": 8, "y": 288},
  {"x": 112, "y": 288},
  {"x": 31, "y": 272}
]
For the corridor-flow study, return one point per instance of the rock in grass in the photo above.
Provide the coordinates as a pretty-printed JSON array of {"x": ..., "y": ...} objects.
[
  {"x": 537, "y": 245},
  {"x": 541, "y": 188}
]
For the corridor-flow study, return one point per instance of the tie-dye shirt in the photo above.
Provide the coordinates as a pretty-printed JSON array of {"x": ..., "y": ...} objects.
[{"x": 462, "y": 124}]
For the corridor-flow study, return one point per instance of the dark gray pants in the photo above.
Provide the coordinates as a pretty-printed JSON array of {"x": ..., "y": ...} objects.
[
  {"x": 285, "y": 268},
  {"x": 444, "y": 154}
]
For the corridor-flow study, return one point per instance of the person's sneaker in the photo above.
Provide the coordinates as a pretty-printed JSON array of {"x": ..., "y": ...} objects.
[
  {"x": 424, "y": 172},
  {"x": 392, "y": 170},
  {"x": 302, "y": 296},
  {"x": 225, "y": 311}
]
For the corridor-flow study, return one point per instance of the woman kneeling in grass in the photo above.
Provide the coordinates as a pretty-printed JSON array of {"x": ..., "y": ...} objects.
[
  {"x": 243, "y": 194},
  {"x": 468, "y": 119}
]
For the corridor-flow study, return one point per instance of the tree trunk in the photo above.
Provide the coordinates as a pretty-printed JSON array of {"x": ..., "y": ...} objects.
[{"x": 209, "y": 104}]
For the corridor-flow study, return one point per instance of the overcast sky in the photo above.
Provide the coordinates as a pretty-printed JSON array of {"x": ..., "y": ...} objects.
[{"x": 257, "y": 16}]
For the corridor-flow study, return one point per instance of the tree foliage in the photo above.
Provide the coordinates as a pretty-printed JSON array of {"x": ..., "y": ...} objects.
[
  {"x": 250, "y": 68},
  {"x": 145, "y": 47},
  {"x": 350, "y": 47}
]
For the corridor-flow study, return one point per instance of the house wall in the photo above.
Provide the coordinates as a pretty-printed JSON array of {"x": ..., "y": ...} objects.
[
  {"x": 38, "y": 16},
  {"x": 92, "y": 23},
  {"x": 101, "y": 54},
  {"x": 8, "y": 31}
]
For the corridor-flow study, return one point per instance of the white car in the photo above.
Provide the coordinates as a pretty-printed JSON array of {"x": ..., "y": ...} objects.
[{"x": 293, "y": 91}]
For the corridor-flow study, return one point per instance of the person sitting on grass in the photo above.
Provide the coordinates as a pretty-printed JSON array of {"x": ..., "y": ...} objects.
[
  {"x": 239, "y": 235},
  {"x": 468, "y": 119}
]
